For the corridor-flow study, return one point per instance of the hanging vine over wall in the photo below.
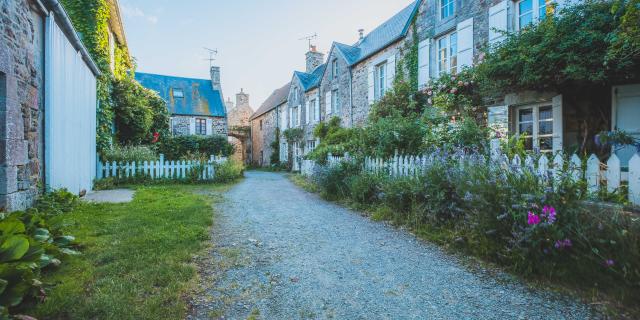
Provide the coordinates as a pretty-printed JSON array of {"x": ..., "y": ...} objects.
[
  {"x": 408, "y": 64},
  {"x": 91, "y": 19}
]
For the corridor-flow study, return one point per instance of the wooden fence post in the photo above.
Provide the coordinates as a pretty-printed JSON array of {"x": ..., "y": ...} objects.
[
  {"x": 593, "y": 174},
  {"x": 613, "y": 173},
  {"x": 634, "y": 179}
]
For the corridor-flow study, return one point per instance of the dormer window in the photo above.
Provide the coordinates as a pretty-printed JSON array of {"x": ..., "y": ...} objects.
[
  {"x": 178, "y": 93},
  {"x": 447, "y": 8}
]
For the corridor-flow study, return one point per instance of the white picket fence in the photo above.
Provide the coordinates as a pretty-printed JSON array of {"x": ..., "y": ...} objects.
[
  {"x": 160, "y": 169},
  {"x": 596, "y": 174}
]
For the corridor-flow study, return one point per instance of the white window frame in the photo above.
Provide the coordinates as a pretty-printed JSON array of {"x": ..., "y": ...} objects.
[
  {"x": 447, "y": 53},
  {"x": 535, "y": 121},
  {"x": 535, "y": 12},
  {"x": 447, "y": 8},
  {"x": 380, "y": 80},
  {"x": 294, "y": 117},
  {"x": 178, "y": 96},
  {"x": 199, "y": 126},
  {"x": 334, "y": 69},
  {"x": 312, "y": 110}
]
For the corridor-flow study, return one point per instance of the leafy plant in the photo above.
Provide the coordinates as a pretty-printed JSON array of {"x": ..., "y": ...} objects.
[
  {"x": 194, "y": 147},
  {"x": 130, "y": 154}
]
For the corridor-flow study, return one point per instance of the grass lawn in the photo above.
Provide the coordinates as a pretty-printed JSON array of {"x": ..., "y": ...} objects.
[{"x": 137, "y": 258}]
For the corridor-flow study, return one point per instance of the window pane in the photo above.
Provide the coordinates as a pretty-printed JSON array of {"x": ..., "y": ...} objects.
[
  {"x": 542, "y": 9},
  {"x": 442, "y": 54},
  {"x": 526, "y": 128},
  {"x": 526, "y": 115},
  {"x": 546, "y": 113},
  {"x": 525, "y": 10},
  {"x": 453, "y": 52},
  {"x": 546, "y": 144},
  {"x": 545, "y": 127},
  {"x": 528, "y": 144}
]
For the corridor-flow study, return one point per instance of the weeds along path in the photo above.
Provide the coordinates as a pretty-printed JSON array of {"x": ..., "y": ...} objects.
[{"x": 282, "y": 253}]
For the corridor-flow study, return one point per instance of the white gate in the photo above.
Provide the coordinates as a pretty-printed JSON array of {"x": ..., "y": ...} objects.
[{"x": 70, "y": 114}]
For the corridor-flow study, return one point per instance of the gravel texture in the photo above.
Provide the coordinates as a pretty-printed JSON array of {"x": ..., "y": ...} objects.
[{"x": 282, "y": 253}]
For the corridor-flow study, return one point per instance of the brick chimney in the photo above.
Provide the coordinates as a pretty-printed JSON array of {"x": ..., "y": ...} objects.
[
  {"x": 215, "y": 78},
  {"x": 314, "y": 59},
  {"x": 242, "y": 99}
]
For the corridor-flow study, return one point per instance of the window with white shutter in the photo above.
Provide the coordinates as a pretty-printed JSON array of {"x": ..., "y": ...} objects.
[
  {"x": 498, "y": 22},
  {"x": 423, "y": 63},
  {"x": 327, "y": 104},
  {"x": 306, "y": 112},
  {"x": 465, "y": 43},
  {"x": 391, "y": 71},
  {"x": 448, "y": 53},
  {"x": 316, "y": 114}
]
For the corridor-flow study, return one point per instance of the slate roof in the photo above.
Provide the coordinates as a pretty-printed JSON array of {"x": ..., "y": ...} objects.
[
  {"x": 311, "y": 80},
  {"x": 381, "y": 37},
  {"x": 199, "y": 97},
  {"x": 278, "y": 97}
]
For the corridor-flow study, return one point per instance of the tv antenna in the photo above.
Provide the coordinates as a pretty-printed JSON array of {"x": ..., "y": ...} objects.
[
  {"x": 212, "y": 54},
  {"x": 310, "y": 38}
]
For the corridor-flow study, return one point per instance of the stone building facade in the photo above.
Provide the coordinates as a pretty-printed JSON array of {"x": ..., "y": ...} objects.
[
  {"x": 196, "y": 105},
  {"x": 266, "y": 125},
  {"x": 239, "y": 126},
  {"x": 21, "y": 103}
]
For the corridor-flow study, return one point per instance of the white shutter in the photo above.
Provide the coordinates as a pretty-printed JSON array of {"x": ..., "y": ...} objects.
[
  {"x": 327, "y": 104},
  {"x": 465, "y": 43},
  {"x": 290, "y": 117},
  {"x": 209, "y": 127},
  {"x": 371, "y": 82},
  {"x": 307, "y": 116},
  {"x": 316, "y": 114},
  {"x": 558, "y": 126},
  {"x": 423, "y": 63},
  {"x": 192, "y": 125},
  {"x": 299, "y": 110},
  {"x": 498, "y": 22},
  {"x": 391, "y": 71}
]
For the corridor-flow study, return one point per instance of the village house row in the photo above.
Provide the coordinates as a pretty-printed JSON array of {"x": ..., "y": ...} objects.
[{"x": 451, "y": 35}]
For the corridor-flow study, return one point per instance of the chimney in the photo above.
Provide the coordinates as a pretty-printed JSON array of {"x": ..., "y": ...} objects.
[
  {"x": 314, "y": 59},
  {"x": 361, "y": 32},
  {"x": 215, "y": 78},
  {"x": 242, "y": 99}
]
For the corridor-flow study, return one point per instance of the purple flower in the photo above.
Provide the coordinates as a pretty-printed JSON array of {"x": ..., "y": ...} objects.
[
  {"x": 597, "y": 140},
  {"x": 549, "y": 213},
  {"x": 533, "y": 219},
  {"x": 562, "y": 244},
  {"x": 609, "y": 263}
]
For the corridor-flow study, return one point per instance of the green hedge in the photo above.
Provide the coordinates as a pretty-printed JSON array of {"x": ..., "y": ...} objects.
[{"x": 194, "y": 146}]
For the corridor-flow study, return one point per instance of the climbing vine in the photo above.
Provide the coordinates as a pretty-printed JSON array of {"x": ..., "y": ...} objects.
[
  {"x": 91, "y": 20},
  {"x": 409, "y": 61}
]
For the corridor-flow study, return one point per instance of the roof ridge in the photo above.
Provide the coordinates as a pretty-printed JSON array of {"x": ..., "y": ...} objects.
[{"x": 170, "y": 76}]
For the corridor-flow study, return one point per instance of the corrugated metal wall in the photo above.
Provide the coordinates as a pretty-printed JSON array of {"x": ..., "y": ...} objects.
[{"x": 70, "y": 114}]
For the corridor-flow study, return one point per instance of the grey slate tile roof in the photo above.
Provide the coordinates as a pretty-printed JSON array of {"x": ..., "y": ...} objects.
[
  {"x": 389, "y": 32},
  {"x": 199, "y": 97},
  {"x": 311, "y": 80},
  {"x": 278, "y": 97}
]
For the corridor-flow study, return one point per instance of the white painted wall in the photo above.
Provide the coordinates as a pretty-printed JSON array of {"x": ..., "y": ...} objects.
[{"x": 70, "y": 114}]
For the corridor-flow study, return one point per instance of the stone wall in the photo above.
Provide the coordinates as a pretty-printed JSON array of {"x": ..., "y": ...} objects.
[
  {"x": 238, "y": 117},
  {"x": 21, "y": 104},
  {"x": 262, "y": 138}
]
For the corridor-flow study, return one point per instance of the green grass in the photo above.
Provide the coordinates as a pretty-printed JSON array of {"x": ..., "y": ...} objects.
[{"x": 137, "y": 258}]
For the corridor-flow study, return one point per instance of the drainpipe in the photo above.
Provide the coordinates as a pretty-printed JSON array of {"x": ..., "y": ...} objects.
[{"x": 351, "y": 94}]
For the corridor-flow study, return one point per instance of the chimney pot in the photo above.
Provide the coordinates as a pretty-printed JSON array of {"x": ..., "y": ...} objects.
[{"x": 361, "y": 32}]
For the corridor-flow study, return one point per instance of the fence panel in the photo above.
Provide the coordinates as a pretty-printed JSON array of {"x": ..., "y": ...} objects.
[{"x": 160, "y": 169}]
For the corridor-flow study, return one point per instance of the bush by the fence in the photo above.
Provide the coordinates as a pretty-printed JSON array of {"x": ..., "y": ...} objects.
[
  {"x": 520, "y": 220},
  {"x": 228, "y": 171},
  {"x": 195, "y": 147},
  {"x": 129, "y": 154}
]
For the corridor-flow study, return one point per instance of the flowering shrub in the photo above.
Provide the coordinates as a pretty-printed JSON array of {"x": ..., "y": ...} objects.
[{"x": 456, "y": 94}]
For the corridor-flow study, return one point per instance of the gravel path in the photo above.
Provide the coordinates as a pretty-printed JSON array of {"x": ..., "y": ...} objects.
[{"x": 282, "y": 253}]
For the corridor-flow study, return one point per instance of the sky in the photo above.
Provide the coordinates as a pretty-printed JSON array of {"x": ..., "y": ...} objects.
[{"x": 257, "y": 40}]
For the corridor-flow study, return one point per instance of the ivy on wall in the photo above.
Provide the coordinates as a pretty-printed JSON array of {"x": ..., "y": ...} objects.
[{"x": 91, "y": 19}]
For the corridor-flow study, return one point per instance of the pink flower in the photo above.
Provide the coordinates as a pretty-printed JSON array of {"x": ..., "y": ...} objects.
[
  {"x": 609, "y": 263},
  {"x": 549, "y": 213},
  {"x": 454, "y": 90},
  {"x": 533, "y": 219},
  {"x": 460, "y": 83},
  {"x": 466, "y": 84}
]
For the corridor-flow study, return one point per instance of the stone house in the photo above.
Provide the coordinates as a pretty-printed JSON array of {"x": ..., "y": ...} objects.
[
  {"x": 303, "y": 105},
  {"x": 266, "y": 124},
  {"x": 47, "y": 104},
  {"x": 196, "y": 106},
  {"x": 452, "y": 34},
  {"x": 238, "y": 116}
]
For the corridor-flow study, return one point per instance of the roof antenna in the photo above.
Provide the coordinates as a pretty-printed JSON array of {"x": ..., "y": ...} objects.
[
  {"x": 212, "y": 54},
  {"x": 310, "y": 38}
]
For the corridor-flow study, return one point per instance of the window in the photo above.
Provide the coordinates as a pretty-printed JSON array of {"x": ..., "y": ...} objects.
[
  {"x": 311, "y": 145},
  {"x": 530, "y": 11},
  {"x": 335, "y": 102},
  {"x": 535, "y": 124},
  {"x": 334, "y": 68},
  {"x": 295, "y": 94},
  {"x": 178, "y": 93},
  {"x": 201, "y": 127},
  {"x": 380, "y": 85},
  {"x": 448, "y": 53},
  {"x": 294, "y": 117},
  {"x": 313, "y": 116},
  {"x": 260, "y": 125},
  {"x": 447, "y": 8}
]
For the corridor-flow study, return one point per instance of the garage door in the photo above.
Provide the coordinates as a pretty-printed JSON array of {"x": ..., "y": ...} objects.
[{"x": 626, "y": 114}]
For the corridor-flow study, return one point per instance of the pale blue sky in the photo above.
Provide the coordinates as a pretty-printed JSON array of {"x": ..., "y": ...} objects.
[{"x": 257, "y": 39}]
